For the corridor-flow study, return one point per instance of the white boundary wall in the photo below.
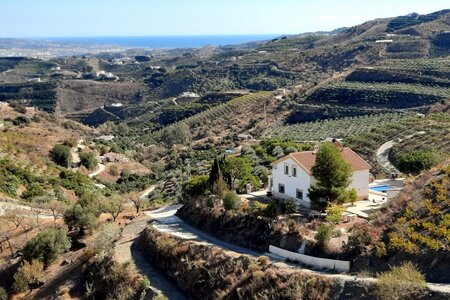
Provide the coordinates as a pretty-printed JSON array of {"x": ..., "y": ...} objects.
[{"x": 323, "y": 263}]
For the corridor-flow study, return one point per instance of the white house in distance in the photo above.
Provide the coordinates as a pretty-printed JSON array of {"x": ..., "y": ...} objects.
[{"x": 291, "y": 175}]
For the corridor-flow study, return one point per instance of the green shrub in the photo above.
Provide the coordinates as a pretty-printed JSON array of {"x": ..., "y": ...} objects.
[
  {"x": 133, "y": 182},
  {"x": 231, "y": 201},
  {"x": 28, "y": 275},
  {"x": 114, "y": 170},
  {"x": 70, "y": 142},
  {"x": 3, "y": 294},
  {"x": 9, "y": 183},
  {"x": 61, "y": 155},
  {"x": 359, "y": 238},
  {"x": 324, "y": 234},
  {"x": 84, "y": 214},
  {"x": 259, "y": 208},
  {"x": 46, "y": 246},
  {"x": 104, "y": 242},
  {"x": 107, "y": 279},
  {"x": 271, "y": 210},
  {"x": 76, "y": 181},
  {"x": 288, "y": 206},
  {"x": 21, "y": 120},
  {"x": 334, "y": 214},
  {"x": 416, "y": 161},
  {"x": 33, "y": 190},
  {"x": 196, "y": 186},
  {"x": 88, "y": 160},
  {"x": 400, "y": 282}
]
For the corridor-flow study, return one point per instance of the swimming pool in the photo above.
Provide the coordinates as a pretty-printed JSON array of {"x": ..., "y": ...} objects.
[{"x": 381, "y": 188}]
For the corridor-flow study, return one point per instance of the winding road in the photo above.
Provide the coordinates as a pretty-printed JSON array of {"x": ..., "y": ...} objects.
[
  {"x": 169, "y": 223},
  {"x": 26, "y": 211},
  {"x": 101, "y": 168},
  {"x": 383, "y": 157}
]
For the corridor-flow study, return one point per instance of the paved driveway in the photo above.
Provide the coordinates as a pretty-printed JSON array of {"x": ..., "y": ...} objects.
[{"x": 171, "y": 224}]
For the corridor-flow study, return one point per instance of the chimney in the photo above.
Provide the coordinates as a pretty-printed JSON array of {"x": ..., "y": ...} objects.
[
  {"x": 315, "y": 149},
  {"x": 338, "y": 144}
]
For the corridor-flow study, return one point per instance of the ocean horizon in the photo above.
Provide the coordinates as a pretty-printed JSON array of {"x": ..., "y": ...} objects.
[{"x": 164, "y": 41}]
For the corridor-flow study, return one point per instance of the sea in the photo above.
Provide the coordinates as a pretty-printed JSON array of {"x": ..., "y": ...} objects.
[{"x": 166, "y": 42}]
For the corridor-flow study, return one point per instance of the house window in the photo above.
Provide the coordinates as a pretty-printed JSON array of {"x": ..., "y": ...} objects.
[
  {"x": 286, "y": 169},
  {"x": 281, "y": 188},
  {"x": 299, "y": 194},
  {"x": 294, "y": 171}
]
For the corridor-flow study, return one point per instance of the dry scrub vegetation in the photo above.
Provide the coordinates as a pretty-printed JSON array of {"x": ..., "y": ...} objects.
[{"x": 206, "y": 272}]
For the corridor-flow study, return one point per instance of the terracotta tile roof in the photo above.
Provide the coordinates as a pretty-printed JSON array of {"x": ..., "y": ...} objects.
[{"x": 307, "y": 159}]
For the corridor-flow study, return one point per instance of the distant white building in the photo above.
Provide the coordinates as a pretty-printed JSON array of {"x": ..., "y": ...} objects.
[
  {"x": 189, "y": 95},
  {"x": 100, "y": 73},
  {"x": 383, "y": 41},
  {"x": 105, "y": 138},
  {"x": 281, "y": 91},
  {"x": 291, "y": 175}
]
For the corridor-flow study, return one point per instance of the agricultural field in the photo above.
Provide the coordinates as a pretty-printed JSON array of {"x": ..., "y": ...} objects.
[
  {"x": 335, "y": 128},
  {"x": 414, "y": 132},
  {"x": 426, "y": 147},
  {"x": 40, "y": 95},
  {"x": 394, "y": 95},
  {"x": 432, "y": 67},
  {"x": 228, "y": 117}
]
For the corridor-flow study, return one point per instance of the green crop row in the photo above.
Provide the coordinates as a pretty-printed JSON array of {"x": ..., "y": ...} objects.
[{"x": 335, "y": 128}]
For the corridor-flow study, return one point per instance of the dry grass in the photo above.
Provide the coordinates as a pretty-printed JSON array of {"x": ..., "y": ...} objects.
[
  {"x": 132, "y": 167},
  {"x": 206, "y": 272},
  {"x": 31, "y": 144}
]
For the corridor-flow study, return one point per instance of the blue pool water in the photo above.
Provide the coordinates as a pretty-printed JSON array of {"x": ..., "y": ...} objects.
[{"x": 381, "y": 188}]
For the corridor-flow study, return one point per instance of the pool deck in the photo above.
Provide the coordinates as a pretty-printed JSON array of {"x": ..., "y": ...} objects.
[
  {"x": 396, "y": 183},
  {"x": 365, "y": 207}
]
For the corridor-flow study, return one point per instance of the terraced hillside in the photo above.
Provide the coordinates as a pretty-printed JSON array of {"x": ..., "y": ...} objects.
[
  {"x": 21, "y": 69},
  {"x": 393, "y": 95},
  {"x": 38, "y": 94},
  {"x": 417, "y": 132},
  {"x": 434, "y": 72},
  {"x": 390, "y": 85},
  {"x": 247, "y": 114},
  {"x": 336, "y": 128},
  {"x": 415, "y": 227},
  {"x": 86, "y": 94}
]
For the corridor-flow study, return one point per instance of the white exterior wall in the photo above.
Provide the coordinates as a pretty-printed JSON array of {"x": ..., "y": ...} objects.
[
  {"x": 303, "y": 181},
  {"x": 291, "y": 183},
  {"x": 360, "y": 182},
  {"x": 323, "y": 263}
]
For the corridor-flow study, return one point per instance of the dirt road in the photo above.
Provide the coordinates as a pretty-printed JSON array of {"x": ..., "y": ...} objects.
[{"x": 127, "y": 250}]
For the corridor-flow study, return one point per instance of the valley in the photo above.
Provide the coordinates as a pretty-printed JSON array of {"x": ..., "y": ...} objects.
[{"x": 310, "y": 166}]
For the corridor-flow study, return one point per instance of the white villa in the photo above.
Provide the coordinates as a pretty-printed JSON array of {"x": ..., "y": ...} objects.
[{"x": 291, "y": 175}]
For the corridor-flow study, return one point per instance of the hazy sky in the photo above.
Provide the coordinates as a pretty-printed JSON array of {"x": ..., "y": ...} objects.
[{"x": 51, "y": 18}]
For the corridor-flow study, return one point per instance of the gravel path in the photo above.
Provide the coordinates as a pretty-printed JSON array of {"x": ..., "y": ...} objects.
[
  {"x": 101, "y": 168},
  {"x": 127, "y": 250}
]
